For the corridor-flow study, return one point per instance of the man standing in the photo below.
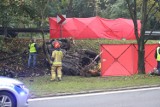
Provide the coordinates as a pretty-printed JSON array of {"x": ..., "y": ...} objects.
[
  {"x": 32, "y": 53},
  {"x": 157, "y": 56},
  {"x": 57, "y": 56}
]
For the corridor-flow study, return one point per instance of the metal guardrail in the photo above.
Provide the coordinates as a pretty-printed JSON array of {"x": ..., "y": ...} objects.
[
  {"x": 13, "y": 32},
  {"x": 18, "y": 30},
  {"x": 155, "y": 35}
]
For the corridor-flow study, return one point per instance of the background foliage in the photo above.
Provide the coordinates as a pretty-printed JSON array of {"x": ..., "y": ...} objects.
[{"x": 35, "y": 13}]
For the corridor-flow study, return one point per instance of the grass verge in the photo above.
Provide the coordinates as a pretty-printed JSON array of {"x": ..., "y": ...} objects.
[{"x": 42, "y": 86}]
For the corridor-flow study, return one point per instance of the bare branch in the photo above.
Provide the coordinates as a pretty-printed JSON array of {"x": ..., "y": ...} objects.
[
  {"x": 45, "y": 7},
  {"x": 130, "y": 9},
  {"x": 153, "y": 14},
  {"x": 69, "y": 9},
  {"x": 42, "y": 13},
  {"x": 144, "y": 17},
  {"x": 133, "y": 13},
  {"x": 153, "y": 5}
]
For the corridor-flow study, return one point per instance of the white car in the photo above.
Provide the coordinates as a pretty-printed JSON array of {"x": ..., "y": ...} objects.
[{"x": 13, "y": 93}]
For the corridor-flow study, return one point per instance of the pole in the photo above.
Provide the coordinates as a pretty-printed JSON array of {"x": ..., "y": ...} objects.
[{"x": 60, "y": 30}]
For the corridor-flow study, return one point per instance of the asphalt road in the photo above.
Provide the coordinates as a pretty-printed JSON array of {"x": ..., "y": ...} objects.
[{"x": 147, "y": 97}]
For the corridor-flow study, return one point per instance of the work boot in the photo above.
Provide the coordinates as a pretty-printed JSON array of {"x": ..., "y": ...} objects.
[
  {"x": 52, "y": 79},
  {"x": 59, "y": 79}
]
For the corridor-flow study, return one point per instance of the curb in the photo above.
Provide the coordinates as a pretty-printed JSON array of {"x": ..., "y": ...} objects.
[{"x": 93, "y": 91}]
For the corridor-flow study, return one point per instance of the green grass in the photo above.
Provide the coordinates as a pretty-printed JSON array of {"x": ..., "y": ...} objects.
[
  {"x": 94, "y": 44},
  {"x": 42, "y": 86}
]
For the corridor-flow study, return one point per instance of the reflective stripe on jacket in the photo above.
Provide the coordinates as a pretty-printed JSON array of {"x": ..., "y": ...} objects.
[
  {"x": 32, "y": 48},
  {"x": 158, "y": 55},
  {"x": 57, "y": 56}
]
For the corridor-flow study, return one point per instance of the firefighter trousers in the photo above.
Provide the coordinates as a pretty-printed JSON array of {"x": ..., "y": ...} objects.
[{"x": 56, "y": 71}]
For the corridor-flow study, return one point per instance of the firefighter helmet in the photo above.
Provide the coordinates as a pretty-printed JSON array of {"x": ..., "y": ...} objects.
[{"x": 56, "y": 44}]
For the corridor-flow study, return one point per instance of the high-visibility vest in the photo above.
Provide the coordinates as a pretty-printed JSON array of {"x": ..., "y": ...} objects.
[
  {"x": 158, "y": 55},
  {"x": 57, "y": 56},
  {"x": 32, "y": 48}
]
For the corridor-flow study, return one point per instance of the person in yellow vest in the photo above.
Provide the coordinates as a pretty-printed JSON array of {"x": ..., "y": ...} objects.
[
  {"x": 157, "y": 57},
  {"x": 33, "y": 47},
  {"x": 56, "y": 68}
]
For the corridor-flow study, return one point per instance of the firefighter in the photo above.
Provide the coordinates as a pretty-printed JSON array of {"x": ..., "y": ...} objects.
[
  {"x": 57, "y": 56},
  {"x": 33, "y": 48}
]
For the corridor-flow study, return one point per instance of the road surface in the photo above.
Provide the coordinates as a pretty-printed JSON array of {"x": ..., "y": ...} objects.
[{"x": 147, "y": 97}]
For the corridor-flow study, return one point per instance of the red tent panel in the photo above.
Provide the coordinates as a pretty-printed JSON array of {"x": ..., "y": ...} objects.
[
  {"x": 117, "y": 70},
  {"x": 121, "y": 28},
  {"x": 116, "y": 60},
  {"x": 68, "y": 29},
  {"x": 122, "y": 60},
  {"x": 90, "y": 28},
  {"x": 127, "y": 59},
  {"x": 150, "y": 61},
  {"x": 106, "y": 61},
  {"x": 93, "y": 27}
]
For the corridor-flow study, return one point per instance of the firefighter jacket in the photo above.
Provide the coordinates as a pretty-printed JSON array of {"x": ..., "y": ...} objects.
[{"x": 57, "y": 56}]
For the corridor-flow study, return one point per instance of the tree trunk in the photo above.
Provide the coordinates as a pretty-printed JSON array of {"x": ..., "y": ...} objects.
[
  {"x": 141, "y": 44},
  {"x": 141, "y": 54}
]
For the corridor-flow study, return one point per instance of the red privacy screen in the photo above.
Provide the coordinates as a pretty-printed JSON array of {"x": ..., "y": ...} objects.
[{"x": 122, "y": 59}]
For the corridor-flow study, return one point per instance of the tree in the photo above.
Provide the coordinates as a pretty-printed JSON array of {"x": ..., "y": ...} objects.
[
  {"x": 84, "y": 8},
  {"x": 6, "y": 12},
  {"x": 148, "y": 7},
  {"x": 118, "y": 9}
]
